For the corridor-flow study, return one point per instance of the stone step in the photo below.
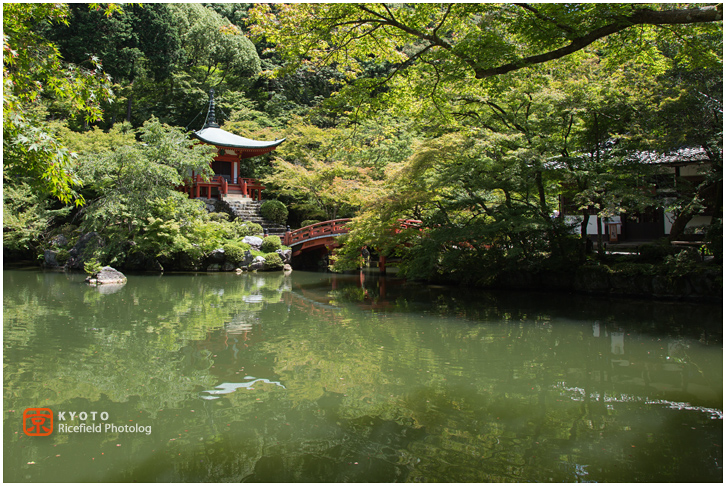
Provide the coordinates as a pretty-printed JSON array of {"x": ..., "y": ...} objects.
[{"x": 247, "y": 209}]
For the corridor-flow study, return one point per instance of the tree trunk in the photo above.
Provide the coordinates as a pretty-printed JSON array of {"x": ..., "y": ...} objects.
[
  {"x": 583, "y": 234},
  {"x": 600, "y": 247},
  {"x": 541, "y": 193},
  {"x": 128, "y": 107}
]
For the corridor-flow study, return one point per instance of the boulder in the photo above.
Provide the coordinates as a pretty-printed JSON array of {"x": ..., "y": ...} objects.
[
  {"x": 287, "y": 268},
  {"x": 214, "y": 267},
  {"x": 49, "y": 259},
  {"x": 107, "y": 275},
  {"x": 248, "y": 259},
  {"x": 217, "y": 256},
  {"x": 254, "y": 241},
  {"x": 286, "y": 255},
  {"x": 59, "y": 241},
  {"x": 141, "y": 262},
  {"x": 77, "y": 257},
  {"x": 257, "y": 264}
]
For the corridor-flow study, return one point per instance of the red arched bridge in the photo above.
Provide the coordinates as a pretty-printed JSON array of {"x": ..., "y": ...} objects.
[
  {"x": 316, "y": 235},
  {"x": 324, "y": 234}
]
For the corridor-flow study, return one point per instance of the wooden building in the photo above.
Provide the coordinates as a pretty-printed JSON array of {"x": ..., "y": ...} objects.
[
  {"x": 676, "y": 174},
  {"x": 231, "y": 148}
]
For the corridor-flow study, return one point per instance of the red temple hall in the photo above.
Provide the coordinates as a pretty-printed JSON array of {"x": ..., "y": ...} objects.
[{"x": 231, "y": 149}]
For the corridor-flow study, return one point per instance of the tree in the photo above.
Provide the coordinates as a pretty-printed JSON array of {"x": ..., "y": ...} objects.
[
  {"x": 142, "y": 41},
  {"x": 584, "y": 80},
  {"x": 33, "y": 68},
  {"x": 133, "y": 180},
  {"x": 212, "y": 44},
  {"x": 482, "y": 40},
  {"x": 27, "y": 218}
]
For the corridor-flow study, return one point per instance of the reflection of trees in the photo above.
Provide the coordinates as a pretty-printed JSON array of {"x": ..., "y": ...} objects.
[
  {"x": 132, "y": 343},
  {"x": 501, "y": 415},
  {"x": 432, "y": 387}
]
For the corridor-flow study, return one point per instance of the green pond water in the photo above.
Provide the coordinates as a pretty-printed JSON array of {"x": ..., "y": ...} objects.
[{"x": 353, "y": 378}]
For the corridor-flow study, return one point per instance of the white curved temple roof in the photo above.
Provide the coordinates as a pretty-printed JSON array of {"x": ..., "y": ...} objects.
[{"x": 246, "y": 147}]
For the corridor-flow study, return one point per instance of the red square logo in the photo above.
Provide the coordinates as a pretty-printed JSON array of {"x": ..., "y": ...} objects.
[{"x": 38, "y": 421}]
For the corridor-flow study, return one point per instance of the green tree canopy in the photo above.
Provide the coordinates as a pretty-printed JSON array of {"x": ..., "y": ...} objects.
[{"x": 33, "y": 69}]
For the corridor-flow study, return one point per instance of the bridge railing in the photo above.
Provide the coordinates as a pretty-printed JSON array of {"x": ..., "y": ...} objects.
[
  {"x": 335, "y": 227},
  {"x": 332, "y": 227}
]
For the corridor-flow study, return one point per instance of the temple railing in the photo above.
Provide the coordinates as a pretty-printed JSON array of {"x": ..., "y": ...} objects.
[{"x": 198, "y": 187}]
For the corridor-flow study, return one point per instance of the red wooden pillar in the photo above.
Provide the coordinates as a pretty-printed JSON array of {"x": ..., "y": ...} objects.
[{"x": 382, "y": 264}]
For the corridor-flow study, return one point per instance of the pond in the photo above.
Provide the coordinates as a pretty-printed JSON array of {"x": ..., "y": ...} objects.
[{"x": 317, "y": 377}]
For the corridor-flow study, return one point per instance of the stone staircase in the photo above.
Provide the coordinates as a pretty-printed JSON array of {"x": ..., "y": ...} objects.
[{"x": 248, "y": 210}]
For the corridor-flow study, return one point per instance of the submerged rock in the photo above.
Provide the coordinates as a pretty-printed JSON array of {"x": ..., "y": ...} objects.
[{"x": 107, "y": 275}]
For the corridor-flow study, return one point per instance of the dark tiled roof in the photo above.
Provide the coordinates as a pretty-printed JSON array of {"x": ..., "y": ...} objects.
[{"x": 682, "y": 156}]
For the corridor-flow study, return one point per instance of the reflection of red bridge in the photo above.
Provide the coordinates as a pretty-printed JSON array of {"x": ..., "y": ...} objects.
[
  {"x": 323, "y": 235},
  {"x": 319, "y": 301}
]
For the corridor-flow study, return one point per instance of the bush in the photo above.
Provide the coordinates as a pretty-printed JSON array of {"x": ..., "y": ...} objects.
[
  {"x": 92, "y": 267},
  {"x": 218, "y": 217},
  {"x": 714, "y": 239},
  {"x": 274, "y": 211},
  {"x": 657, "y": 251},
  {"x": 248, "y": 228},
  {"x": 273, "y": 261},
  {"x": 270, "y": 244},
  {"x": 235, "y": 252},
  {"x": 308, "y": 222},
  {"x": 683, "y": 263}
]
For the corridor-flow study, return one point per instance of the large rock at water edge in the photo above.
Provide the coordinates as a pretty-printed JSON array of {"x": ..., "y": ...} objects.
[
  {"x": 49, "y": 259},
  {"x": 107, "y": 275},
  {"x": 258, "y": 263},
  {"x": 217, "y": 256},
  {"x": 286, "y": 255}
]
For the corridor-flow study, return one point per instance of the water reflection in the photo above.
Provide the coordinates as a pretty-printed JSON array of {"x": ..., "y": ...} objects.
[
  {"x": 323, "y": 378},
  {"x": 225, "y": 388}
]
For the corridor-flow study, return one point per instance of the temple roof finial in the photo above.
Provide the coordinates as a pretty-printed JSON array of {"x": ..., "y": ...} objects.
[{"x": 211, "y": 120}]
